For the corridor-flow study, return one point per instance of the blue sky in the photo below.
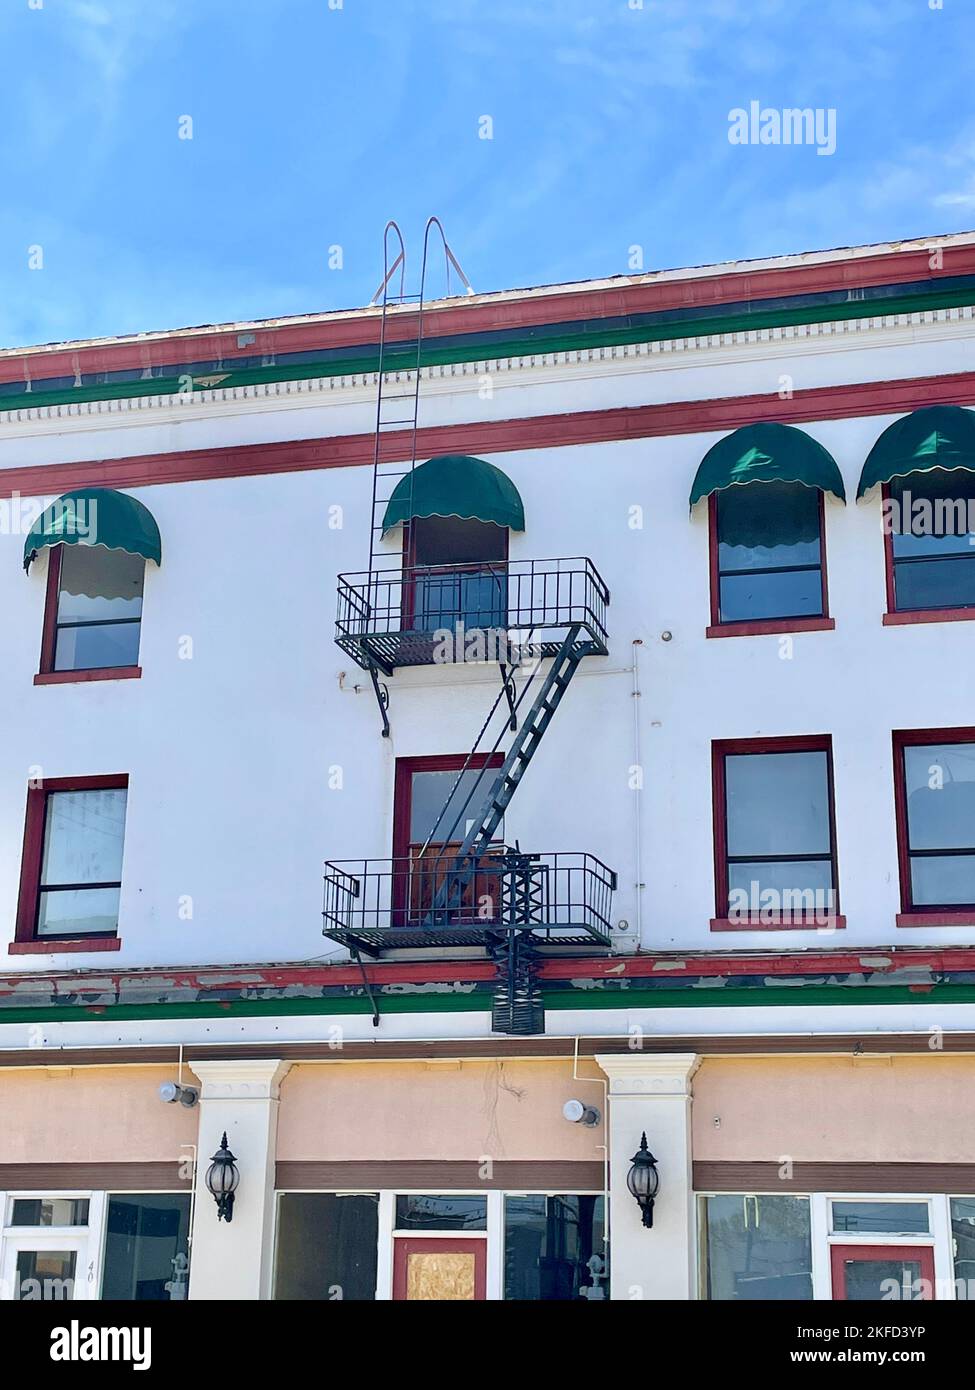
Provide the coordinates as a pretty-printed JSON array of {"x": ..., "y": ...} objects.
[{"x": 313, "y": 124}]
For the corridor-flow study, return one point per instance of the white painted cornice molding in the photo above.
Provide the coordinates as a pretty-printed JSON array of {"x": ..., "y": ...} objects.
[
  {"x": 240, "y": 1079},
  {"x": 649, "y": 1073}
]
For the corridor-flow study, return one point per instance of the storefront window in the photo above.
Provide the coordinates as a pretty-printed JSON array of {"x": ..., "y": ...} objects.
[
  {"x": 553, "y": 1248},
  {"x": 757, "y": 1248},
  {"x": 49, "y": 1211},
  {"x": 888, "y": 1218},
  {"x": 146, "y": 1250},
  {"x": 963, "y": 1245},
  {"x": 327, "y": 1246}
]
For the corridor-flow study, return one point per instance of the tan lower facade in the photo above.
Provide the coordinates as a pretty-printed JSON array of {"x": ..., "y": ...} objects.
[{"x": 780, "y": 1176}]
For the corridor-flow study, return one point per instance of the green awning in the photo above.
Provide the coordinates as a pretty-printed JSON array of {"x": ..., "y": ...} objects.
[
  {"x": 96, "y": 516},
  {"x": 767, "y": 452},
  {"x": 456, "y": 485},
  {"x": 936, "y": 436}
]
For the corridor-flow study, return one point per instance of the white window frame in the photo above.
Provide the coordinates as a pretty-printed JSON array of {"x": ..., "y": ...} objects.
[{"x": 88, "y": 1239}]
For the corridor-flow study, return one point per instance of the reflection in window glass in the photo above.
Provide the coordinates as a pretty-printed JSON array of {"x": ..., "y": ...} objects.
[
  {"x": 426, "y": 1213},
  {"x": 99, "y": 608},
  {"x": 757, "y": 1248},
  {"x": 553, "y": 1248},
  {"x": 900, "y": 1218},
  {"x": 769, "y": 552},
  {"x": 146, "y": 1249},
  {"x": 940, "y": 795},
  {"x": 49, "y": 1211},
  {"x": 45, "y": 1276},
  {"x": 327, "y": 1246},
  {"x": 963, "y": 1245},
  {"x": 81, "y": 869}
]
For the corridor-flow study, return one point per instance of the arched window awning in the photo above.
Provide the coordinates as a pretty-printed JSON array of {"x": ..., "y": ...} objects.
[
  {"x": 935, "y": 436},
  {"x": 767, "y": 452},
  {"x": 456, "y": 485},
  {"x": 96, "y": 516}
]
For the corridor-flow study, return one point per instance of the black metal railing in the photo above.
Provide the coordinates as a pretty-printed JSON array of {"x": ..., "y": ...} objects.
[
  {"x": 426, "y": 613},
  {"x": 441, "y": 898}
]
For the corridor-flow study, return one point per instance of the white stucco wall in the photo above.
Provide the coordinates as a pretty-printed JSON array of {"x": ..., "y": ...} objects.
[{"x": 229, "y": 753}]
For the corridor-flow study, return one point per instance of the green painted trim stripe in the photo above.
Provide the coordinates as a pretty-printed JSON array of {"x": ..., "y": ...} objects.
[
  {"x": 524, "y": 346},
  {"x": 480, "y": 1001}
]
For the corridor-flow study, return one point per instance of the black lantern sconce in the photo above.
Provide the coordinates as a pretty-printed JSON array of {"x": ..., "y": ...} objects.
[
  {"x": 222, "y": 1179},
  {"x": 643, "y": 1180}
]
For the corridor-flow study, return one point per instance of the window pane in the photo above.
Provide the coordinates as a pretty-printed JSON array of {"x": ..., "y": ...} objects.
[
  {"x": 553, "y": 1248},
  {"x": 899, "y": 1218},
  {"x": 963, "y": 1240},
  {"x": 78, "y": 911},
  {"x": 778, "y": 803},
  {"x": 750, "y": 597},
  {"x": 430, "y": 791},
  {"x": 475, "y": 599},
  {"x": 92, "y": 648},
  {"x": 447, "y": 540},
  {"x": 45, "y": 1276},
  {"x": 805, "y": 886},
  {"x": 941, "y": 795},
  {"x": 327, "y": 1246},
  {"x": 942, "y": 879},
  {"x": 146, "y": 1249},
  {"x": 50, "y": 1211},
  {"x": 933, "y": 513},
  {"x": 97, "y": 584},
  {"x": 424, "y": 1213},
  {"x": 935, "y": 584},
  {"x": 758, "y": 1248},
  {"x": 83, "y": 834},
  {"x": 873, "y": 1280},
  {"x": 766, "y": 524}
]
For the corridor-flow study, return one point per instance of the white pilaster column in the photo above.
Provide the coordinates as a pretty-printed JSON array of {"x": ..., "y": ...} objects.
[
  {"x": 240, "y": 1096},
  {"x": 651, "y": 1092}
]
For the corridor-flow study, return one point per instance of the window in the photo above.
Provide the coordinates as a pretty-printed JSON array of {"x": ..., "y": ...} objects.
[
  {"x": 425, "y": 1213},
  {"x": 963, "y": 1245},
  {"x": 327, "y": 1246},
  {"x": 756, "y": 1248},
  {"x": 775, "y": 855},
  {"x": 94, "y": 610},
  {"x": 768, "y": 555},
  {"x": 873, "y": 1218},
  {"x": 934, "y": 786},
  {"x": 457, "y": 571},
  {"x": 71, "y": 875},
  {"x": 146, "y": 1246},
  {"x": 553, "y": 1248},
  {"x": 49, "y": 1211},
  {"x": 929, "y": 535}
]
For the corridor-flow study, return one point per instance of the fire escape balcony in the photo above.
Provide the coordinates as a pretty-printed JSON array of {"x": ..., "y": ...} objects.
[
  {"x": 550, "y": 901},
  {"x": 401, "y": 617}
]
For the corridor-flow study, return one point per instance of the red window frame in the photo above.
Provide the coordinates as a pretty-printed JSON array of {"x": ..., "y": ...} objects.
[
  {"x": 839, "y": 1254},
  {"x": 895, "y": 617},
  {"x": 759, "y": 626},
  {"x": 799, "y": 743},
  {"x": 909, "y": 915},
  {"x": 49, "y": 632},
  {"x": 26, "y": 941},
  {"x": 408, "y": 602}
]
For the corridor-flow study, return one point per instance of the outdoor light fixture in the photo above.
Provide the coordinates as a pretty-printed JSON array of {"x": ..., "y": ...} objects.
[
  {"x": 222, "y": 1179},
  {"x": 643, "y": 1180}
]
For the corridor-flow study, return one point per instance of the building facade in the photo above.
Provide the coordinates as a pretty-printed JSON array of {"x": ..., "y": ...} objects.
[{"x": 436, "y": 795}]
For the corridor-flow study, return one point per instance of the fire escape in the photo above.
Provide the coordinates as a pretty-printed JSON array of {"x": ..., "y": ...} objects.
[{"x": 537, "y": 620}]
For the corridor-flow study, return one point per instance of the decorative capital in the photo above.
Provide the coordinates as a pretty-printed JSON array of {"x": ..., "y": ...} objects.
[
  {"x": 649, "y": 1073},
  {"x": 240, "y": 1078}
]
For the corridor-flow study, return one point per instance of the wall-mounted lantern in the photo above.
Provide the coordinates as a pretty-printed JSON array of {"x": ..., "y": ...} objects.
[
  {"x": 643, "y": 1180},
  {"x": 222, "y": 1179}
]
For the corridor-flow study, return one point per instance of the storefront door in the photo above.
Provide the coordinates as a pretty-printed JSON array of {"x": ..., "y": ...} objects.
[
  {"x": 439, "y": 1268},
  {"x": 43, "y": 1268},
  {"x": 882, "y": 1272}
]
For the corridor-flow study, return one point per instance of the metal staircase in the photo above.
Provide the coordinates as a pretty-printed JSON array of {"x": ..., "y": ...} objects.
[{"x": 472, "y": 891}]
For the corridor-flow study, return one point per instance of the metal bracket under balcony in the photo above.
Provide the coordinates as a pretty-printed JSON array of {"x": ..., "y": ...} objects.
[
  {"x": 426, "y": 615},
  {"x": 554, "y": 901}
]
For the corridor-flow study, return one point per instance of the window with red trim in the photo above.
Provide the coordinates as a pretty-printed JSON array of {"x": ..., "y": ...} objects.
[
  {"x": 774, "y": 834},
  {"x": 934, "y": 785},
  {"x": 93, "y": 613},
  {"x": 456, "y": 572},
  {"x": 929, "y": 541},
  {"x": 71, "y": 874}
]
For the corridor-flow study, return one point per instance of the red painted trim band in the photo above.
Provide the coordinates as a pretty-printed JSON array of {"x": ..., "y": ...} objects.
[
  {"x": 103, "y": 673},
  {"x": 495, "y": 436}
]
